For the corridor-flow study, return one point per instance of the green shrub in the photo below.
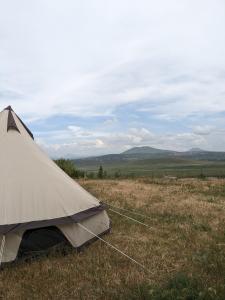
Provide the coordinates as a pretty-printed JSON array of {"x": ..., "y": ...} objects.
[
  {"x": 91, "y": 175},
  {"x": 68, "y": 167},
  {"x": 100, "y": 172},
  {"x": 117, "y": 174}
]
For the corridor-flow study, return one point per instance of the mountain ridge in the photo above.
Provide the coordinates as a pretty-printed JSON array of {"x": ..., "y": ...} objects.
[
  {"x": 145, "y": 150},
  {"x": 150, "y": 153},
  {"x": 150, "y": 150}
]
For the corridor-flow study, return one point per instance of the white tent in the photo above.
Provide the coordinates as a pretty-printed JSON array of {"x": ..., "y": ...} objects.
[{"x": 36, "y": 196}]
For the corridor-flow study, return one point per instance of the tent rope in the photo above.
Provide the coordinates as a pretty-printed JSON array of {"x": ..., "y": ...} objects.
[
  {"x": 139, "y": 222},
  {"x": 2, "y": 248},
  {"x": 113, "y": 247},
  {"x": 130, "y": 211}
]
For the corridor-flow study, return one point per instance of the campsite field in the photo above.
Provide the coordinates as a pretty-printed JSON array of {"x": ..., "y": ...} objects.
[
  {"x": 161, "y": 167},
  {"x": 183, "y": 249}
]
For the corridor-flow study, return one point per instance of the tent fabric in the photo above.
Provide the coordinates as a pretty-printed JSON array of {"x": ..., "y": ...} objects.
[
  {"x": 36, "y": 193},
  {"x": 99, "y": 224},
  {"x": 44, "y": 223},
  {"x": 77, "y": 236}
]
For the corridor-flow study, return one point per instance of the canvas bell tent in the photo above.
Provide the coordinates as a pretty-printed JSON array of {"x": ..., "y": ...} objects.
[{"x": 39, "y": 204}]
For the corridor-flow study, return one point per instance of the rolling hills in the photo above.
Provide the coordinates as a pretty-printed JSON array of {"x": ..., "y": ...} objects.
[{"x": 157, "y": 162}]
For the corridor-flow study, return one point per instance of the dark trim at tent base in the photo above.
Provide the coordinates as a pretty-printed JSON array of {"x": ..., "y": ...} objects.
[
  {"x": 62, "y": 248},
  {"x": 78, "y": 217}
]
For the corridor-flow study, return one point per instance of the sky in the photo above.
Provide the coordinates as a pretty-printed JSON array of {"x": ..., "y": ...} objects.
[{"x": 92, "y": 77}]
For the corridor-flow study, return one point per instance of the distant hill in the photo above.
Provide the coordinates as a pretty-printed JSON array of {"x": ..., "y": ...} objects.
[
  {"x": 139, "y": 155},
  {"x": 149, "y": 161},
  {"x": 146, "y": 150},
  {"x": 196, "y": 150}
]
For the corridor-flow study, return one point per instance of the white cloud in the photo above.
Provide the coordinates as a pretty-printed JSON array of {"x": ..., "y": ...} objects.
[
  {"x": 79, "y": 132},
  {"x": 89, "y": 58},
  {"x": 103, "y": 143},
  {"x": 74, "y": 128},
  {"x": 99, "y": 143},
  {"x": 111, "y": 121},
  {"x": 203, "y": 130}
]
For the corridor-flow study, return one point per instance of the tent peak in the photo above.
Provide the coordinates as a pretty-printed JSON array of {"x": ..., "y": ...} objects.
[
  {"x": 12, "y": 124},
  {"x": 9, "y": 108}
]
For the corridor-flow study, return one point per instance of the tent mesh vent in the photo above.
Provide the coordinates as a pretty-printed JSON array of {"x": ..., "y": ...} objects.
[{"x": 11, "y": 122}]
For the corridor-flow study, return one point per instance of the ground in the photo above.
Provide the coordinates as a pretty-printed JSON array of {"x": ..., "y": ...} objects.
[{"x": 182, "y": 249}]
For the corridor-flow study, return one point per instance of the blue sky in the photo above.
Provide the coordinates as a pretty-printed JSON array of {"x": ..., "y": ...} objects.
[{"x": 91, "y": 77}]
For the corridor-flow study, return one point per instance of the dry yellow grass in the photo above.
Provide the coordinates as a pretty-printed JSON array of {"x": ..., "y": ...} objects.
[{"x": 186, "y": 234}]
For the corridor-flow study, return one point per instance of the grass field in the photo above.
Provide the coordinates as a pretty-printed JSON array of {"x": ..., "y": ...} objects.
[
  {"x": 181, "y": 168},
  {"x": 183, "y": 249}
]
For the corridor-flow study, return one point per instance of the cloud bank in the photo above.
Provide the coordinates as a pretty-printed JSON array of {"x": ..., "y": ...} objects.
[{"x": 93, "y": 77}]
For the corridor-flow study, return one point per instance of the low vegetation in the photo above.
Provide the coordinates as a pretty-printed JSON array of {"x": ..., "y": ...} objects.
[
  {"x": 178, "y": 167},
  {"x": 154, "y": 168},
  {"x": 182, "y": 250},
  {"x": 69, "y": 168}
]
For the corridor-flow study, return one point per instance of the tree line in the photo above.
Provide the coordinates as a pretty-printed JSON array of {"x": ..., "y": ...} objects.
[{"x": 69, "y": 168}]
